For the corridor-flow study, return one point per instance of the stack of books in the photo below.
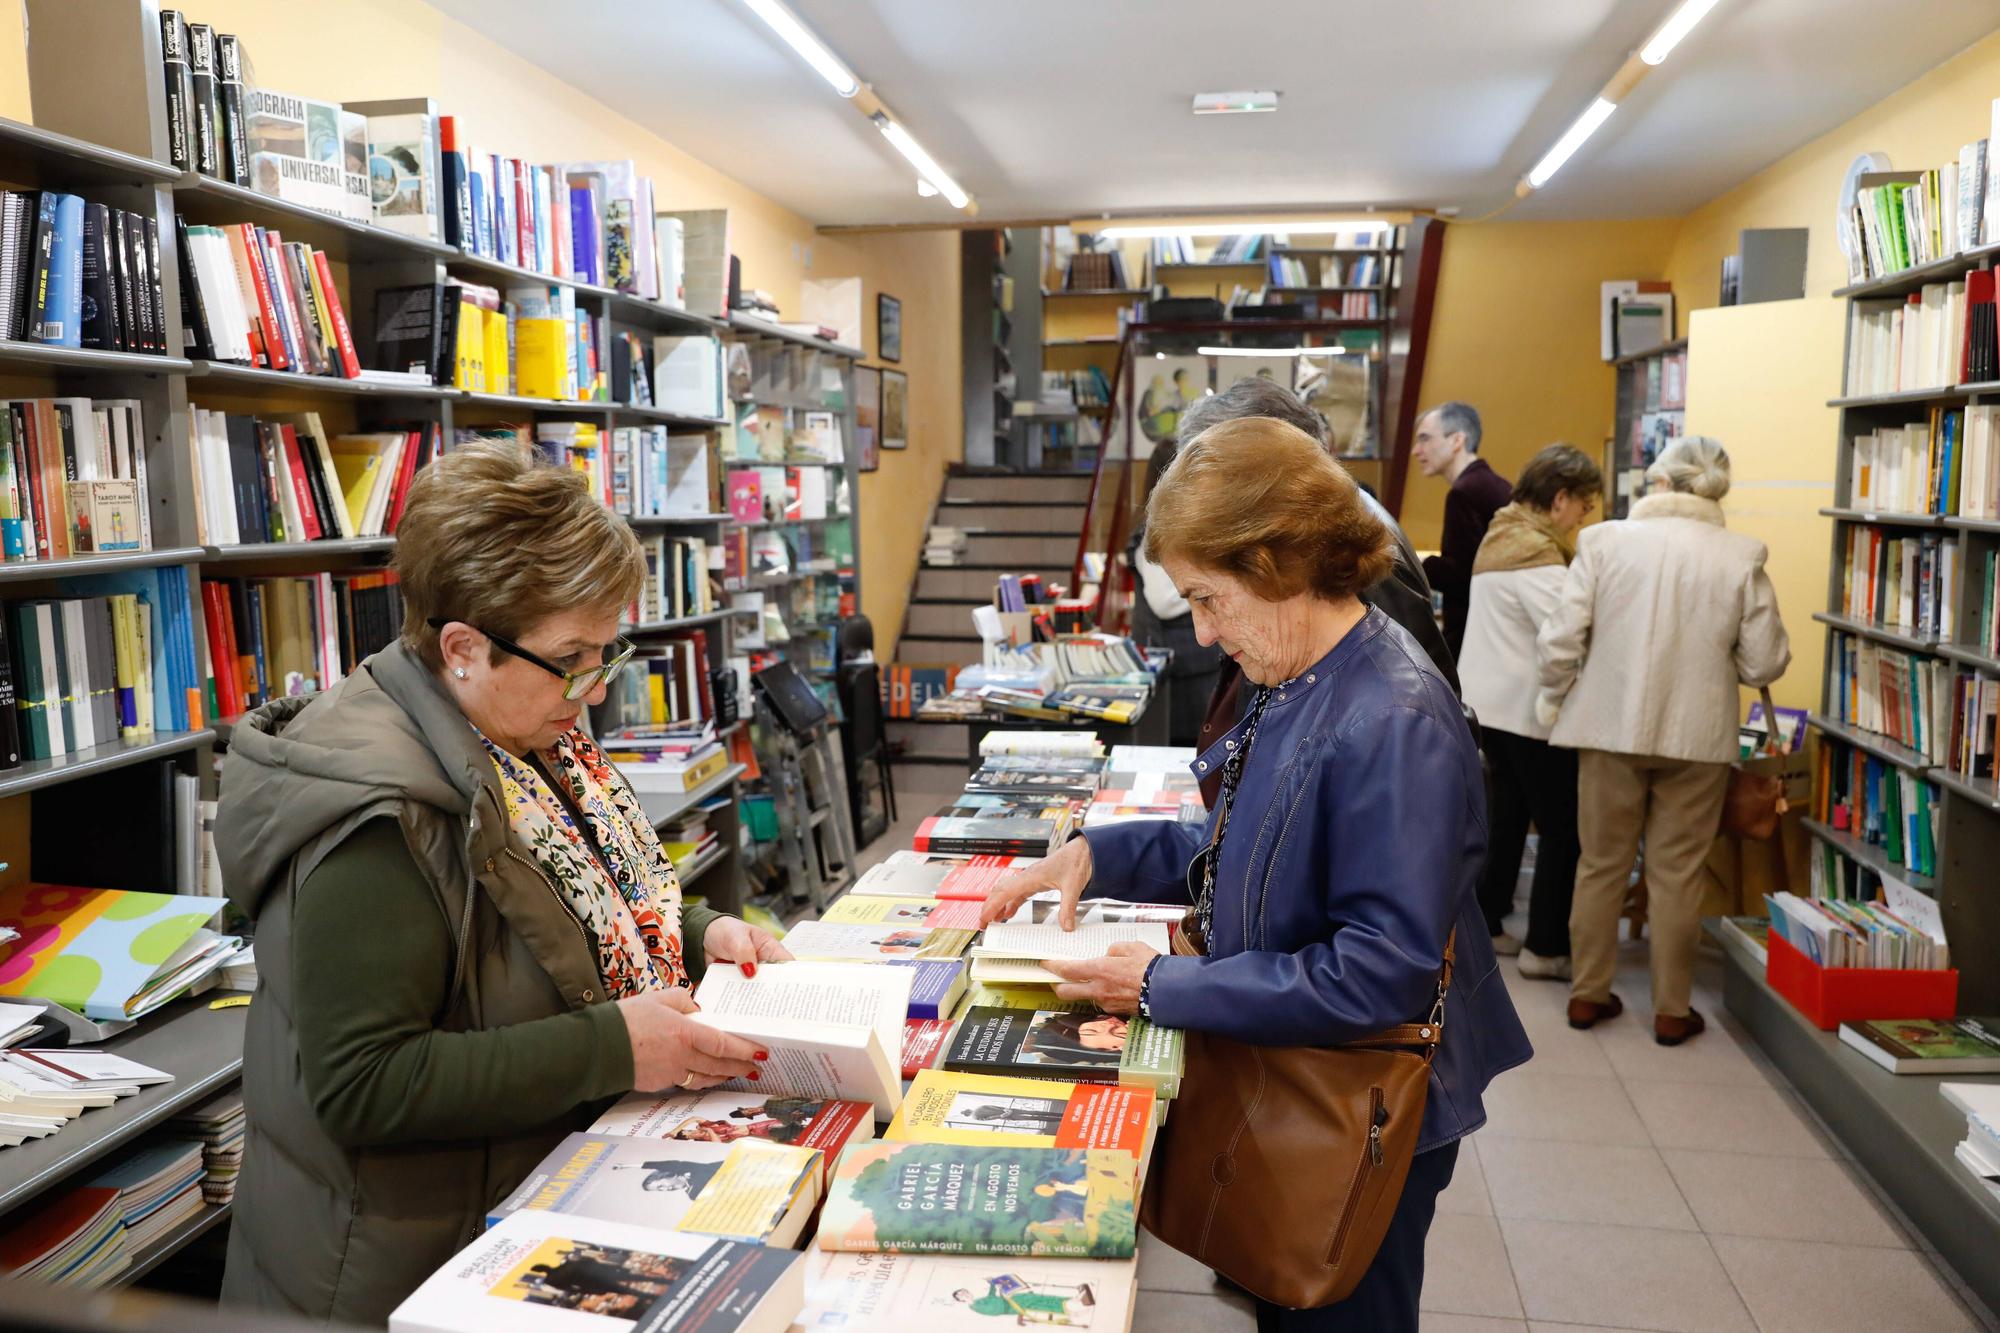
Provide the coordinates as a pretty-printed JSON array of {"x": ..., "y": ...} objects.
[
  {"x": 1837, "y": 934},
  {"x": 944, "y": 547},
  {"x": 1980, "y": 1152},
  {"x": 41, "y": 1091},
  {"x": 219, "y": 1127},
  {"x": 672, "y": 761},
  {"x": 159, "y": 1187}
]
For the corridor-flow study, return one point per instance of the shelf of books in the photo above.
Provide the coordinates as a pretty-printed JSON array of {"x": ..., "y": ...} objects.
[
  {"x": 222, "y": 364},
  {"x": 1900, "y": 932},
  {"x": 1651, "y": 411}
]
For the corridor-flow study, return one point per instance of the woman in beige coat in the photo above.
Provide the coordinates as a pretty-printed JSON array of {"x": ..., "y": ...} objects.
[{"x": 1661, "y": 617}]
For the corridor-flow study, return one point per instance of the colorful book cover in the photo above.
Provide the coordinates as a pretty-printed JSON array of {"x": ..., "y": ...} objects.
[
  {"x": 746, "y": 495},
  {"x": 952, "y": 1199},
  {"x": 720, "y": 1116},
  {"x": 751, "y": 1190},
  {"x": 1083, "y": 1044},
  {"x": 542, "y": 1271},
  {"x": 830, "y": 941},
  {"x": 93, "y": 950},
  {"x": 946, "y": 1107},
  {"x": 923, "y": 1042},
  {"x": 939, "y": 1293},
  {"x": 1928, "y": 1045},
  {"x": 935, "y": 984}
]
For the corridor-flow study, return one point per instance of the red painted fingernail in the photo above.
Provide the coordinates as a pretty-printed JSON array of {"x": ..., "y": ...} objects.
[
  {"x": 761, "y": 1055},
  {"x": 753, "y": 1076},
  {"x": 749, "y": 969}
]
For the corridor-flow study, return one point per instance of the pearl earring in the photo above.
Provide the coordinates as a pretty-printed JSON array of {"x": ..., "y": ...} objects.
[{"x": 459, "y": 672}]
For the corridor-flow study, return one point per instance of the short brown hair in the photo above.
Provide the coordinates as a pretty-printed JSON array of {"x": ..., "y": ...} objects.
[
  {"x": 1261, "y": 500},
  {"x": 496, "y": 538},
  {"x": 1558, "y": 468}
]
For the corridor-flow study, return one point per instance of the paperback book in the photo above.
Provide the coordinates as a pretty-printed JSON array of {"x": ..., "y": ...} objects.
[
  {"x": 718, "y": 1116},
  {"x": 831, "y": 941},
  {"x": 946, "y": 1107},
  {"x": 945, "y": 1198},
  {"x": 954, "y": 1294},
  {"x": 1087, "y": 1045},
  {"x": 832, "y": 1029},
  {"x": 1928, "y": 1045}
]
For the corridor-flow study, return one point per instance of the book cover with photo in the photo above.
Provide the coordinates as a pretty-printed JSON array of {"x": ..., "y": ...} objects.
[
  {"x": 1083, "y": 1044},
  {"x": 945, "y": 1107},
  {"x": 721, "y": 1116},
  {"x": 1928, "y": 1045},
  {"x": 547, "y": 1271},
  {"x": 954, "y": 1199},
  {"x": 861, "y": 909},
  {"x": 831, "y": 941},
  {"x": 751, "y": 1190},
  {"x": 939, "y": 1293}
]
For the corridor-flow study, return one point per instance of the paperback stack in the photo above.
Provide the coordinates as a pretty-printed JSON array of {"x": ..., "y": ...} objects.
[
  {"x": 1980, "y": 1152},
  {"x": 1003, "y": 828},
  {"x": 159, "y": 1187},
  {"x": 219, "y": 1125},
  {"x": 665, "y": 763},
  {"x": 41, "y": 1091},
  {"x": 944, "y": 547},
  {"x": 73, "y": 1238}
]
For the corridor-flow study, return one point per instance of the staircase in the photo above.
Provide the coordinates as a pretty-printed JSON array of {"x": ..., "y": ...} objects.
[{"x": 1014, "y": 524}]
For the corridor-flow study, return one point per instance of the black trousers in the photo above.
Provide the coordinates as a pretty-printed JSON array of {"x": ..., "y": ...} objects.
[
  {"x": 1532, "y": 781},
  {"x": 1386, "y": 1300}
]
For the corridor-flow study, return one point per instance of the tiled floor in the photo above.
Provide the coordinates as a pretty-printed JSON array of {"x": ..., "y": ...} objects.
[{"x": 1619, "y": 1184}]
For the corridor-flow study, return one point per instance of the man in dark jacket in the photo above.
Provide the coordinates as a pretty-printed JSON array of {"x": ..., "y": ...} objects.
[
  {"x": 1447, "y": 445},
  {"x": 1404, "y": 596}
]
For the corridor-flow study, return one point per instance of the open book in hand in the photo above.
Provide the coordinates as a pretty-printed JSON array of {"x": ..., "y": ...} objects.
[
  {"x": 832, "y": 1029},
  {"x": 1013, "y": 953}
]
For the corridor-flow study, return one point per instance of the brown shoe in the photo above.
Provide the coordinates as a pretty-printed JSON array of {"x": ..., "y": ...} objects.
[
  {"x": 1673, "y": 1031},
  {"x": 1584, "y": 1013}
]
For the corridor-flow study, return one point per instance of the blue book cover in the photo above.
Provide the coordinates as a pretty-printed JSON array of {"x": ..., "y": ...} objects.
[
  {"x": 583, "y": 229},
  {"x": 62, "y": 325},
  {"x": 935, "y": 984}
]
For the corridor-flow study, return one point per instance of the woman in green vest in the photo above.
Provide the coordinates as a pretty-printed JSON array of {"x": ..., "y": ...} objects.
[{"x": 468, "y": 938}]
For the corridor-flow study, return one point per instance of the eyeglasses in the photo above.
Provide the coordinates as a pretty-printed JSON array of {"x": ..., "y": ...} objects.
[{"x": 576, "y": 684}]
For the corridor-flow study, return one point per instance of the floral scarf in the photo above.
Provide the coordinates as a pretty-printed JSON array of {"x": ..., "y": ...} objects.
[{"x": 630, "y": 901}]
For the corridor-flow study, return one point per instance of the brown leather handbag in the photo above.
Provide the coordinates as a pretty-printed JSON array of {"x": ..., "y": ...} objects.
[
  {"x": 1281, "y": 1166},
  {"x": 1754, "y": 801}
]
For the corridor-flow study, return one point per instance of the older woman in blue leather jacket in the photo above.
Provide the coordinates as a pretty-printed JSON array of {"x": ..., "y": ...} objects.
[{"x": 1358, "y": 828}]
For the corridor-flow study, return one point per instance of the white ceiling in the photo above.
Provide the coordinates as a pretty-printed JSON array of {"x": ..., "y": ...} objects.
[{"x": 1058, "y": 108}]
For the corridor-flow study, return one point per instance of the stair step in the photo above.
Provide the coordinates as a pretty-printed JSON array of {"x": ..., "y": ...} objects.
[
  {"x": 933, "y": 619},
  {"x": 1013, "y": 519},
  {"x": 924, "y": 648},
  {"x": 973, "y": 585},
  {"x": 1025, "y": 487},
  {"x": 988, "y": 549},
  {"x": 927, "y": 742}
]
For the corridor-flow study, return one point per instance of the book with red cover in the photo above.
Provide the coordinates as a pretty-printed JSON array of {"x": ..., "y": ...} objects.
[
  {"x": 923, "y": 1040},
  {"x": 228, "y": 701},
  {"x": 413, "y": 445},
  {"x": 524, "y": 218},
  {"x": 302, "y": 492},
  {"x": 252, "y": 258},
  {"x": 350, "y": 360}
]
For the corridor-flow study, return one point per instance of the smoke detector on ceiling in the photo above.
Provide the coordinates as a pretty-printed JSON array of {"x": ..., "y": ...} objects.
[{"x": 1234, "y": 104}]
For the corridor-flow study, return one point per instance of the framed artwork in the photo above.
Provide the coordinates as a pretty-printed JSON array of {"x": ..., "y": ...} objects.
[
  {"x": 895, "y": 410},
  {"x": 868, "y": 417},
  {"x": 889, "y": 327}
]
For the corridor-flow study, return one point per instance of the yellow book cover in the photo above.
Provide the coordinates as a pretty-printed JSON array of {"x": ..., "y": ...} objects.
[
  {"x": 470, "y": 354},
  {"x": 323, "y": 316},
  {"x": 493, "y": 329},
  {"x": 122, "y": 651},
  {"x": 656, "y": 695},
  {"x": 835, "y": 941},
  {"x": 541, "y": 357},
  {"x": 760, "y": 1187},
  {"x": 992, "y": 995},
  {"x": 680, "y": 853},
  {"x": 945, "y": 1107},
  {"x": 357, "y": 461},
  {"x": 859, "y": 909}
]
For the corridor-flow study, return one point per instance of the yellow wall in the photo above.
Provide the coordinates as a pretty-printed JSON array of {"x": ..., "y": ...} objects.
[
  {"x": 1758, "y": 380},
  {"x": 360, "y": 49},
  {"x": 1515, "y": 333},
  {"x": 1920, "y": 125}
]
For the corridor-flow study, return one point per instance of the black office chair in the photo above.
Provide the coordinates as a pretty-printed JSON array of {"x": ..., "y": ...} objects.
[{"x": 864, "y": 733}]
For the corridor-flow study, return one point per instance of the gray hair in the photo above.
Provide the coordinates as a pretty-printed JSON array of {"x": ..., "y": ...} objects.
[
  {"x": 1456, "y": 418},
  {"x": 1694, "y": 465},
  {"x": 1251, "y": 397}
]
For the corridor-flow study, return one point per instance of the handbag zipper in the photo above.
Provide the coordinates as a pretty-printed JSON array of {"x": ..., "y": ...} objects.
[{"x": 1378, "y": 1115}]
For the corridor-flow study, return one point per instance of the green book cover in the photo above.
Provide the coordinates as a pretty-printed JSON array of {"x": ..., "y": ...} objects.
[
  {"x": 1928, "y": 1045},
  {"x": 945, "y": 1198},
  {"x": 1065, "y": 1043}
]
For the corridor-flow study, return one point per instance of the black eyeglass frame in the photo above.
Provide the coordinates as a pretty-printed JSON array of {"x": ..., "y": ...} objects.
[{"x": 602, "y": 674}]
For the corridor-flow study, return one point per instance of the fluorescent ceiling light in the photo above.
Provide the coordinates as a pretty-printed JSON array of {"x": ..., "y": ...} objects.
[
  {"x": 1245, "y": 229},
  {"x": 1234, "y": 104},
  {"x": 810, "y": 48},
  {"x": 1274, "y": 351},
  {"x": 925, "y": 189},
  {"x": 1585, "y": 126},
  {"x": 1678, "y": 26},
  {"x": 925, "y": 164}
]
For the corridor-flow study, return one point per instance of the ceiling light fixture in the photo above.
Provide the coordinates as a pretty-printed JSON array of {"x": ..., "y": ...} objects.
[
  {"x": 1234, "y": 104},
  {"x": 810, "y": 48},
  {"x": 925, "y": 164},
  {"x": 1282, "y": 226},
  {"x": 1585, "y": 126},
  {"x": 1676, "y": 27},
  {"x": 925, "y": 189}
]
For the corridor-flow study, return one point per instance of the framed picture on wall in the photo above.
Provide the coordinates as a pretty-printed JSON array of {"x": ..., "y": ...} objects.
[
  {"x": 889, "y": 327},
  {"x": 868, "y": 417},
  {"x": 895, "y": 410}
]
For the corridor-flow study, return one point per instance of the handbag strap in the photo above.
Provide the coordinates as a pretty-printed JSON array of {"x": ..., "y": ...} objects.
[{"x": 1770, "y": 744}]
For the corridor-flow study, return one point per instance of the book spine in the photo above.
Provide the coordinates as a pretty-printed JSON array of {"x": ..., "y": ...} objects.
[
  {"x": 350, "y": 361},
  {"x": 274, "y": 338},
  {"x": 155, "y": 290},
  {"x": 457, "y": 194},
  {"x": 118, "y": 254},
  {"x": 234, "y": 137},
  {"x": 174, "y": 60},
  {"x": 201, "y": 65},
  {"x": 139, "y": 336},
  {"x": 62, "y": 290},
  {"x": 200, "y": 339},
  {"x": 97, "y": 330}
]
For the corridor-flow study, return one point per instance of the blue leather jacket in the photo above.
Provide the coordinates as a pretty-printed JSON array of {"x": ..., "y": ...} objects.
[{"x": 1356, "y": 845}]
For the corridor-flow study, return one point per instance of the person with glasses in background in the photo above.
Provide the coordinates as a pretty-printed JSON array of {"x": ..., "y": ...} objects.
[{"x": 468, "y": 937}]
